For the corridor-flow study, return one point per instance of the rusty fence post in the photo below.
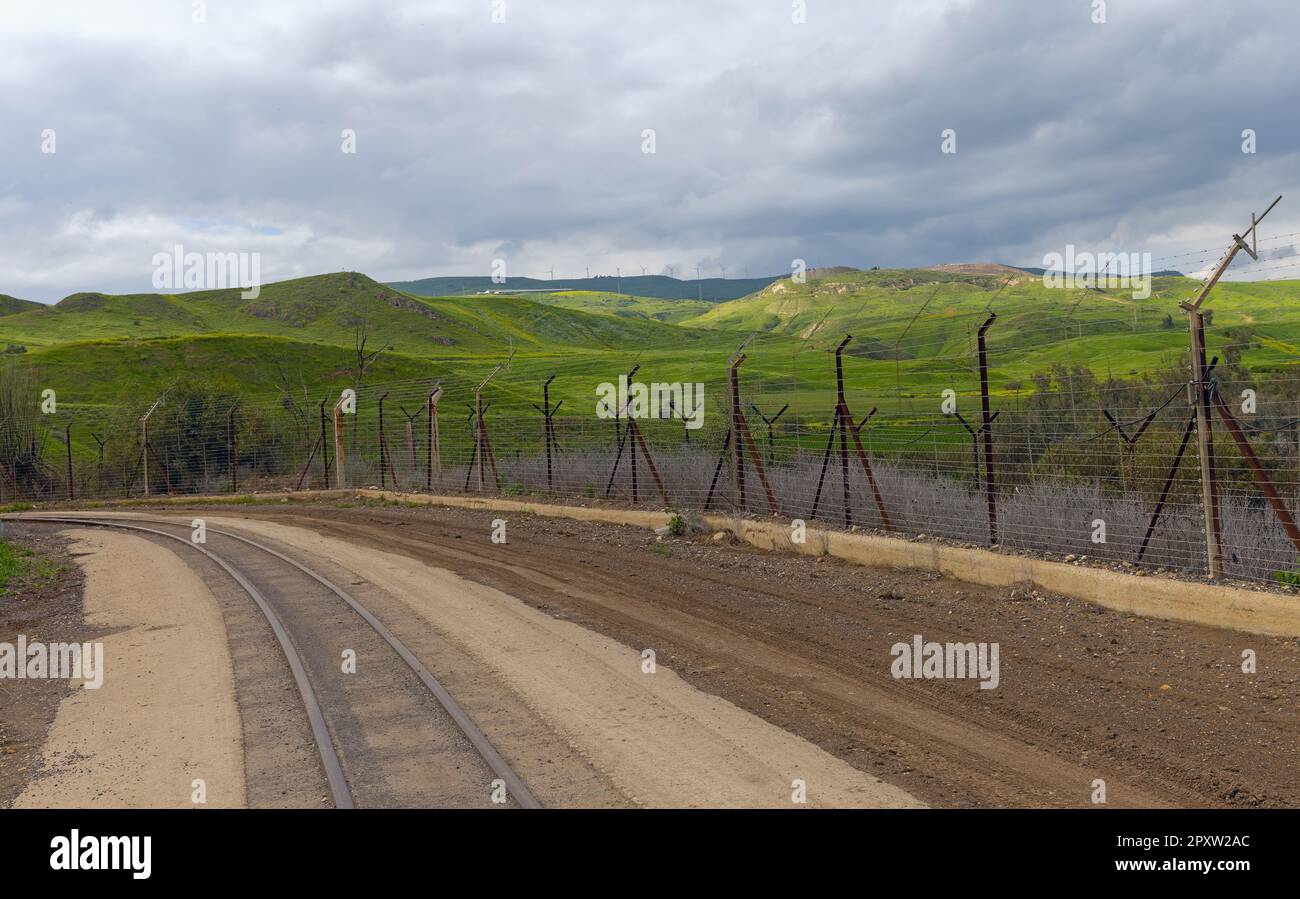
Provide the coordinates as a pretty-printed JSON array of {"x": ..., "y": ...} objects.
[{"x": 990, "y": 469}]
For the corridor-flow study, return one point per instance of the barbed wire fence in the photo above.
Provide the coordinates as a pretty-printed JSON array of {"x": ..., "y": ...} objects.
[{"x": 834, "y": 430}]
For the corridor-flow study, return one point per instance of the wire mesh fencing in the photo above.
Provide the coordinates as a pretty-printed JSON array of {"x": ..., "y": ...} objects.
[
  {"x": 1104, "y": 470},
  {"x": 1091, "y": 431}
]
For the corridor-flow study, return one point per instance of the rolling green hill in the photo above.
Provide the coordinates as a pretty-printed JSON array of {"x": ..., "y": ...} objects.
[
  {"x": 323, "y": 309},
  {"x": 914, "y": 336},
  {"x": 100, "y": 352},
  {"x": 624, "y": 306},
  {"x": 926, "y": 321},
  {"x": 653, "y": 286},
  {"x": 9, "y": 305}
]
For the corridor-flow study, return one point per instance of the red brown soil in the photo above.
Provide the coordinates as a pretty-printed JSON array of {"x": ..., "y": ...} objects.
[{"x": 1160, "y": 710}]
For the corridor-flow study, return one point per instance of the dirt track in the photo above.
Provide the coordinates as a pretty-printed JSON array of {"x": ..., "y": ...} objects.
[
  {"x": 1161, "y": 711},
  {"x": 167, "y": 714}
]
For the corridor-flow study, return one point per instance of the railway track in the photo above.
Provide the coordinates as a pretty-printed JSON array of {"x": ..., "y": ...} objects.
[{"x": 345, "y": 730}]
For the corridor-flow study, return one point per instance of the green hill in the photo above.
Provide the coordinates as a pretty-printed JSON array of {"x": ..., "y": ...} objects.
[
  {"x": 324, "y": 309},
  {"x": 624, "y": 306},
  {"x": 654, "y": 286},
  {"x": 9, "y": 305},
  {"x": 914, "y": 336},
  {"x": 97, "y": 349},
  {"x": 926, "y": 321}
]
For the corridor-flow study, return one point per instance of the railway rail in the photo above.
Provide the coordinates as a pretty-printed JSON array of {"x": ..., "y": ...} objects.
[{"x": 325, "y": 736}]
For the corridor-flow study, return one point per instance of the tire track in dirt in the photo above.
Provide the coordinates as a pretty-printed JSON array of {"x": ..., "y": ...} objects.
[
  {"x": 933, "y": 741},
  {"x": 664, "y": 742}
]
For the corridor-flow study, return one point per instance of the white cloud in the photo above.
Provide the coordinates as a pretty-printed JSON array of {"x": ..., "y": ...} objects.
[{"x": 775, "y": 140}]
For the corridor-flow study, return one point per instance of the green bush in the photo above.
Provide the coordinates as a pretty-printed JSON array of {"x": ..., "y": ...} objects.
[{"x": 1291, "y": 578}]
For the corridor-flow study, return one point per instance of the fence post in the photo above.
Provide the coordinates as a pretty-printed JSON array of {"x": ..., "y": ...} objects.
[
  {"x": 548, "y": 434},
  {"x": 144, "y": 440},
  {"x": 482, "y": 444},
  {"x": 738, "y": 475},
  {"x": 435, "y": 452},
  {"x": 1261, "y": 476},
  {"x": 383, "y": 455},
  {"x": 324, "y": 447},
  {"x": 1197, "y": 389},
  {"x": 990, "y": 476},
  {"x": 230, "y": 447},
  {"x": 340, "y": 471},
  {"x": 1198, "y": 397},
  {"x": 67, "y": 441},
  {"x": 841, "y": 409}
]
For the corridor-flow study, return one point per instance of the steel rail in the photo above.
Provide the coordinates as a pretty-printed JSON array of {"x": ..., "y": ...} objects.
[
  {"x": 515, "y": 785},
  {"x": 338, "y": 784}
]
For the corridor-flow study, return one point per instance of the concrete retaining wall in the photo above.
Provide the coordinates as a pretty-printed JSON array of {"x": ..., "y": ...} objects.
[{"x": 1212, "y": 605}]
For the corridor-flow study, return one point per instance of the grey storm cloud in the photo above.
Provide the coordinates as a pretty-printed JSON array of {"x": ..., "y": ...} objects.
[{"x": 523, "y": 139}]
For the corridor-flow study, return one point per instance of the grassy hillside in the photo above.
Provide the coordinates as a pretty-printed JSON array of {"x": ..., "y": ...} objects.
[
  {"x": 624, "y": 306},
  {"x": 100, "y": 351},
  {"x": 914, "y": 336},
  {"x": 323, "y": 309},
  {"x": 9, "y": 305},
  {"x": 653, "y": 286},
  {"x": 926, "y": 321}
]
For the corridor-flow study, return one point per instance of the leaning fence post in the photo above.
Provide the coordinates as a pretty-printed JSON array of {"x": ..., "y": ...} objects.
[
  {"x": 1197, "y": 389},
  {"x": 1261, "y": 476}
]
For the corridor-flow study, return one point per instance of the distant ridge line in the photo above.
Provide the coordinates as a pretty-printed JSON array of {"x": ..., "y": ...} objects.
[{"x": 656, "y": 286}]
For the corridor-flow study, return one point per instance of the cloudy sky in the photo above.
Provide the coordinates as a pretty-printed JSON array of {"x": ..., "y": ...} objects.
[{"x": 524, "y": 139}]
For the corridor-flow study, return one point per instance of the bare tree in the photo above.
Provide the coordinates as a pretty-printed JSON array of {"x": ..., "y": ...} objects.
[
  {"x": 363, "y": 359},
  {"x": 284, "y": 380}
]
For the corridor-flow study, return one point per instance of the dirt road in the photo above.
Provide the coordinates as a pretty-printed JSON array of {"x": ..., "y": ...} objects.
[
  {"x": 1160, "y": 711},
  {"x": 774, "y": 669},
  {"x": 162, "y": 727}
]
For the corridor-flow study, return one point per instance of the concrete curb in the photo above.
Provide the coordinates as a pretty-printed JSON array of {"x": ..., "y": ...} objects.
[{"x": 1210, "y": 605}]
